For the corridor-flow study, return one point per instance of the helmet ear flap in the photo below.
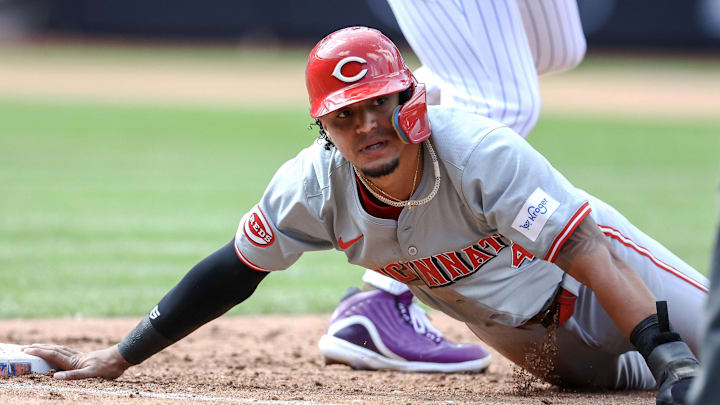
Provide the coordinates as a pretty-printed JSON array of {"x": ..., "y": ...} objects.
[{"x": 410, "y": 119}]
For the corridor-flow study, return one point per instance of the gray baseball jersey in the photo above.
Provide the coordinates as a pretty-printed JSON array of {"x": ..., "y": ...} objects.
[
  {"x": 500, "y": 209},
  {"x": 482, "y": 249}
]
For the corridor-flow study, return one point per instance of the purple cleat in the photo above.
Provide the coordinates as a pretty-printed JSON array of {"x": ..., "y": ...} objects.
[{"x": 376, "y": 330}]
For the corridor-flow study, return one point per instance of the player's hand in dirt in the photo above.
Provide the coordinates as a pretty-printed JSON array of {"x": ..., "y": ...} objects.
[{"x": 105, "y": 363}]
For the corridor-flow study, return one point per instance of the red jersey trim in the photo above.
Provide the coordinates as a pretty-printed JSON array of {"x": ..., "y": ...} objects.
[
  {"x": 248, "y": 262},
  {"x": 580, "y": 214},
  {"x": 618, "y": 236}
]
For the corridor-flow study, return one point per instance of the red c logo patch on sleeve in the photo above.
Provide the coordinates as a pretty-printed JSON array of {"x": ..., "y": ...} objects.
[{"x": 257, "y": 229}]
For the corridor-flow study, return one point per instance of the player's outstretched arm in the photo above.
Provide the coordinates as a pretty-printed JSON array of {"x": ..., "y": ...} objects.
[
  {"x": 208, "y": 290},
  {"x": 590, "y": 259}
]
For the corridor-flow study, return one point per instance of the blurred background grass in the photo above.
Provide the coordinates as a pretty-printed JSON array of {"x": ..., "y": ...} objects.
[{"x": 106, "y": 205}]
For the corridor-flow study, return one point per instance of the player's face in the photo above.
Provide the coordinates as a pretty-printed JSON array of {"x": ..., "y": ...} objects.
[{"x": 364, "y": 134}]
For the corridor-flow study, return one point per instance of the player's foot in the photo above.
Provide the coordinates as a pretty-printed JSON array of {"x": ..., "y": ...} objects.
[{"x": 376, "y": 330}]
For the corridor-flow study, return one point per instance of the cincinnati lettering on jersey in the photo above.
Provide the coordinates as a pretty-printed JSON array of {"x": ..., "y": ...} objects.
[{"x": 448, "y": 267}]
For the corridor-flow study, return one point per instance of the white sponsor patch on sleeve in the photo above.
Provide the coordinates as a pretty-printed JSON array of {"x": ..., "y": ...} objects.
[{"x": 534, "y": 214}]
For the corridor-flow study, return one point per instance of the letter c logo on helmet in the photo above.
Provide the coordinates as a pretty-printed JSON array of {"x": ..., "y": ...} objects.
[{"x": 338, "y": 69}]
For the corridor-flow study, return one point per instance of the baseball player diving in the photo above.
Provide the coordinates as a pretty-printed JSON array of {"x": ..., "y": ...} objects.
[
  {"x": 482, "y": 57},
  {"x": 464, "y": 212}
]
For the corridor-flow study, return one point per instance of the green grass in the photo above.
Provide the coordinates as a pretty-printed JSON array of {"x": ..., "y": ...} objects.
[{"x": 104, "y": 207}]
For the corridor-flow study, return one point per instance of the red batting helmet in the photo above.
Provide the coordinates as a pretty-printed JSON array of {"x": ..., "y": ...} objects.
[{"x": 359, "y": 63}]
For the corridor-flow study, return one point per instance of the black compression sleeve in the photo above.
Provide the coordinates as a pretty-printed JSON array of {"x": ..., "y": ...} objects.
[
  {"x": 211, "y": 288},
  {"x": 142, "y": 342}
]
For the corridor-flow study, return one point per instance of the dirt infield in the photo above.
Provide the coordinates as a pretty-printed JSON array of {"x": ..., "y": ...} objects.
[{"x": 270, "y": 359}]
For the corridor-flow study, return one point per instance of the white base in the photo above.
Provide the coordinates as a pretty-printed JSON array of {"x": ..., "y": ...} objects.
[
  {"x": 13, "y": 361},
  {"x": 336, "y": 350}
]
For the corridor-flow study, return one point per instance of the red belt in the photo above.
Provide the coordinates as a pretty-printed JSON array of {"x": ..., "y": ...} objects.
[{"x": 562, "y": 307}]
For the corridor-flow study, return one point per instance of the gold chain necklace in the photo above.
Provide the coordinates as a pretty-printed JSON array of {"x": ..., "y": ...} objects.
[{"x": 392, "y": 201}]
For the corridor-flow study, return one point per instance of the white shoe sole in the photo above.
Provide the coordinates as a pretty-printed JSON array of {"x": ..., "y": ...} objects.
[{"x": 336, "y": 350}]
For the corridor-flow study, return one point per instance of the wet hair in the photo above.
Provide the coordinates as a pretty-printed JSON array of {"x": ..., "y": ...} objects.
[{"x": 404, "y": 96}]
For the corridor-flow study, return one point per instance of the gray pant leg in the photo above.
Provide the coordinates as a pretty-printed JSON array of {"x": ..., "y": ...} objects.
[
  {"x": 577, "y": 363},
  {"x": 704, "y": 391},
  {"x": 582, "y": 366}
]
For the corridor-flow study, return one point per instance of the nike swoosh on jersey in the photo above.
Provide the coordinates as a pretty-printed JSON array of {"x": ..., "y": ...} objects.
[{"x": 345, "y": 245}]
